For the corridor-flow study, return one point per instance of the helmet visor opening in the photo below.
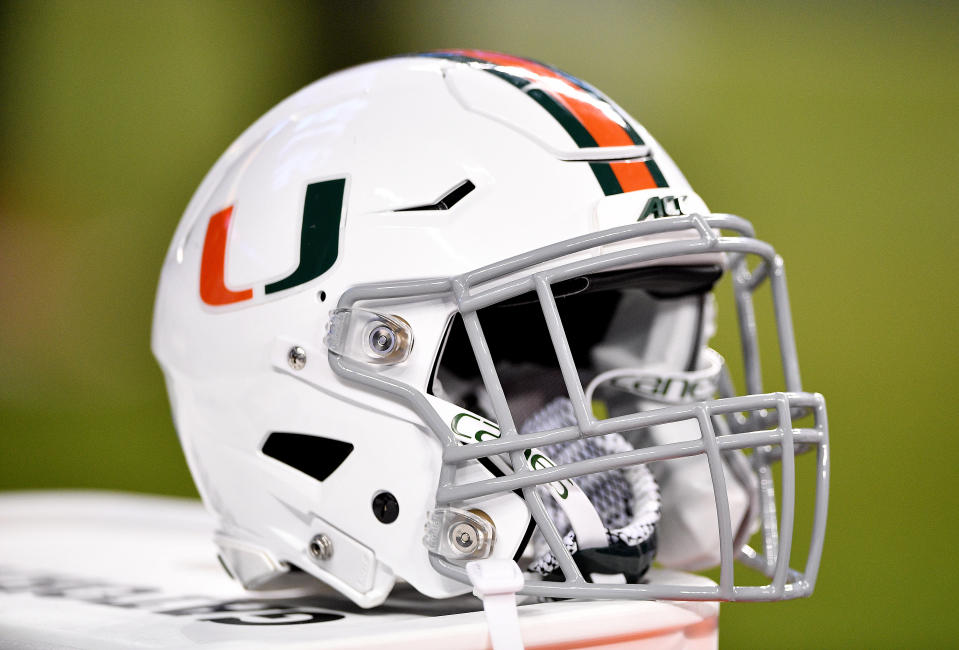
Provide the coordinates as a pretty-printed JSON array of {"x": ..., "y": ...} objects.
[{"x": 520, "y": 342}]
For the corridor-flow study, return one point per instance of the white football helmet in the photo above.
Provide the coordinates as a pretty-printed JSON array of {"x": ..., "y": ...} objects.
[{"x": 457, "y": 305}]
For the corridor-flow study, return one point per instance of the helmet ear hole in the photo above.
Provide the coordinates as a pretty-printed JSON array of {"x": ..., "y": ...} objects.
[{"x": 385, "y": 507}]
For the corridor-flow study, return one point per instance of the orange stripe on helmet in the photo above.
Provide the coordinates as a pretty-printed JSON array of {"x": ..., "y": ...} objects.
[
  {"x": 633, "y": 175},
  {"x": 598, "y": 117}
]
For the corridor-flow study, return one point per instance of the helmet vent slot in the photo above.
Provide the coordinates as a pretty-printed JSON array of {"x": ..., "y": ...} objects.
[
  {"x": 448, "y": 200},
  {"x": 315, "y": 456}
]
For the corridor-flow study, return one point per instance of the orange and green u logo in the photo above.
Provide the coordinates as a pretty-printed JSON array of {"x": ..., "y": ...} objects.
[{"x": 319, "y": 242}]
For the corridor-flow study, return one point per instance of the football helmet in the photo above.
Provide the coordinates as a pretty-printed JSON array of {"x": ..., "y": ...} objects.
[{"x": 458, "y": 305}]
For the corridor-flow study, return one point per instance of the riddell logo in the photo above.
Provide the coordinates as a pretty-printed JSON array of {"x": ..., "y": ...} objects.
[
  {"x": 319, "y": 238},
  {"x": 663, "y": 206}
]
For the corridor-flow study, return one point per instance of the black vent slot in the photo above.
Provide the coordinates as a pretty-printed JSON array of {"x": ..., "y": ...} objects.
[
  {"x": 315, "y": 456},
  {"x": 452, "y": 197}
]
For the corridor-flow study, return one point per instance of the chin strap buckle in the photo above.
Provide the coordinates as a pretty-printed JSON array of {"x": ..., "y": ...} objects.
[{"x": 496, "y": 582}]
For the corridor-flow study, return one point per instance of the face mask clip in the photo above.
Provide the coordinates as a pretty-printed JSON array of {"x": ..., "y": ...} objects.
[
  {"x": 369, "y": 336},
  {"x": 459, "y": 534}
]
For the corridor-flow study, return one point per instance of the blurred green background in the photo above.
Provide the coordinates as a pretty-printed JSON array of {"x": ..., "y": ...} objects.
[{"x": 832, "y": 126}]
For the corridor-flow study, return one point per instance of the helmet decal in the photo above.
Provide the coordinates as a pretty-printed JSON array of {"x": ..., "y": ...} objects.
[
  {"x": 319, "y": 244},
  {"x": 585, "y": 114},
  {"x": 319, "y": 234},
  {"x": 213, "y": 290}
]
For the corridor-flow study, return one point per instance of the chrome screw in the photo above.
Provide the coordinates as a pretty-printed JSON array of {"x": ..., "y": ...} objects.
[
  {"x": 296, "y": 357},
  {"x": 465, "y": 537},
  {"x": 321, "y": 547},
  {"x": 382, "y": 340}
]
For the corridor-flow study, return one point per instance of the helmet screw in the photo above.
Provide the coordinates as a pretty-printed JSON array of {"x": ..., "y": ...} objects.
[
  {"x": 321, "y": 547},
  {"x": 382, "y": 340},
  {"x": 465, "y": 538},
  {"x": 296, "y": 357}
]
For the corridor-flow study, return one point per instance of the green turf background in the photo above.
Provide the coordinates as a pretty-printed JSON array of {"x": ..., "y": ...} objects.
[{"x": 832, "y": 126}]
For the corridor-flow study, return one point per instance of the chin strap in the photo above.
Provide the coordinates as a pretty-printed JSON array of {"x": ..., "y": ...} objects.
[{"x": 495, "y": 582}]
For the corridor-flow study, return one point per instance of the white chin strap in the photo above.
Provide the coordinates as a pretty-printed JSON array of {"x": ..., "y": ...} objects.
[
  {"x": 495, "y": 582},
  {"x": 583, "y": 518}
]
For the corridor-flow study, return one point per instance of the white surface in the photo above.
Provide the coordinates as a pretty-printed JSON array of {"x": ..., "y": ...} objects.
[{"x": 91, "y": 570}]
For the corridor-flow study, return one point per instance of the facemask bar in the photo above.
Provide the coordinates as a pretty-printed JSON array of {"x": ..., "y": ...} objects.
[{"x": 470, "y": 296}]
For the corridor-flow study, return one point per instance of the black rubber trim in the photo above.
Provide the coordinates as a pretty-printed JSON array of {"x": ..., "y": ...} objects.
[
  {"x": 631, "y": 561},
  {"x": 665, "y": 281}
]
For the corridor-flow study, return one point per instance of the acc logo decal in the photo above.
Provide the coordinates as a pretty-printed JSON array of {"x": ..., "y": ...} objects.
[
  {"x": 319, "y": 241},
  {"x": 663, "y": 206}
]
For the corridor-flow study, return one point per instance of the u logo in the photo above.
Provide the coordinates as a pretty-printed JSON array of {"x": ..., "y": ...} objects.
[{"x": 319, "y": 241}]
